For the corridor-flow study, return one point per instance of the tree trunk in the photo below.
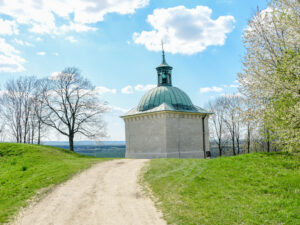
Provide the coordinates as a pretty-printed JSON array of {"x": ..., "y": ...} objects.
[
  {"x": 220, "y": 149},
  {"x": 39, "y": 133},
  {"x": 71, "y": 142},
  {"x": 25, "y": 132},
  {"x": 233, "y": 144},
  {"x": 268, "y": 142},
  {"x": 248, "y": 139},
  {"x": 32, "y": 135},
  {"x": 17, "y": 135},
  {"x": 238, "y": 145}
]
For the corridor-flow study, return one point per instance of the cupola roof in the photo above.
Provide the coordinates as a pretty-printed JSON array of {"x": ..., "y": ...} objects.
[
  {"x": 173, "y": 96},
  {"x": 165, "y": 97}
]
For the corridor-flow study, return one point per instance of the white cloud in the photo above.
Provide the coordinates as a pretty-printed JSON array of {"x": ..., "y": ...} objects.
[
  {"x": 39, "y": 39},
  {"x": 8, "y": 27},
  {"x": 183, "y": 30},
  {"x": 238, "y": 94},
  {"x": 43, "y": 28},
  {"x": 223, "y": 87},
  {"x": 41, "y": 53},
  {"x": 56, "y": 53},
  {"x": 61, "y": 76},
  {"x": 95, "y": 10},
  {"x": 19, "y": 42},
  {"x": 71, "y": 39},
  {"x": 40, "y": 15},
  {"x": 211, "y": 89},
  {"x": 22, "y": 43},
  {"x": 78, "y": 27},
  {"x": 117, "y": 108},
  {"x": 3, "y": 92},
  {"x": 141, "y": 87},
  {"x": 10, "y": 61},
  {"x": 127, "y": 90},
  {"x": 102, "y": 90},
  {"x": 54, "y": 76},
  {"x": 58, "y": 75}
]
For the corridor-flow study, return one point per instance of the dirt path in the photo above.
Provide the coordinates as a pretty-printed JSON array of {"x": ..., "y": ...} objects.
[{"x": 107, "y": 193}]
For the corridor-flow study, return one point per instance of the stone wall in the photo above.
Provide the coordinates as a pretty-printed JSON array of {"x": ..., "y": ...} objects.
[
  {"x": 184, "y": 136},
  {"x": 165, "y": 134}
]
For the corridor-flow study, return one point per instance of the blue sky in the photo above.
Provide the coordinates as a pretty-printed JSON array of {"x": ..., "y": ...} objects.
[{"x": 116, "y": 44}]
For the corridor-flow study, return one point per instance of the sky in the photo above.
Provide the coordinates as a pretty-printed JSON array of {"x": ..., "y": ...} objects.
[{"x": 116, "y": 44}]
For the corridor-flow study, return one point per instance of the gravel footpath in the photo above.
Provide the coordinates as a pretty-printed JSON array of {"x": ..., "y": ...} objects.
[{"x": 107, "y": 193}]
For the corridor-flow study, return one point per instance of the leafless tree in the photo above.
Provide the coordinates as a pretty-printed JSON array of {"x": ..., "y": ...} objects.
[
  {"x": 249, "y": 121},
  {"x": 248, "y": 138},
  {"x": 217, "y": 122},
  {"x": 73, "y": 106},
  {"x": 238, "y": 126},
  {"x": 232, "y": 108},
  {"x": 2, "y": 131},
  {"x": 37, "y": 123},
  {"x": 16, "y": 107},
  {"x": 39, "y": 110}
]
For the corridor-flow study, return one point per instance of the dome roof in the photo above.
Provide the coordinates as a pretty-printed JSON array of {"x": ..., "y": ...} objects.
[{"x": 165, "y": 94}]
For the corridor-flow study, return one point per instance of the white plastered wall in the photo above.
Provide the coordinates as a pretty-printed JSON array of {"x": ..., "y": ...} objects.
[{"x": 166, "y": 134}]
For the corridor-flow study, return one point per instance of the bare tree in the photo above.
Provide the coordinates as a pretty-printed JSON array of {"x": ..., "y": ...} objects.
[
  {"x": 2, "y": 131},
  {"x": 2, "y": 120},
  {"x": 73, "y": 106},
  {"x": 248, "y": 138},
  {"x": 251, "y": 124},
  {"x": 16, "y": 107},
  {"x": 217, "y": 122},
  {"x": 232, "y": 120},
  {"x": 239, "y": 122},
  {"x": 39, "y": 111}
]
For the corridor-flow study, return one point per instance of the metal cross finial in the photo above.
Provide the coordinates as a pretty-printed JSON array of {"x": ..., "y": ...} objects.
[{"x": 163, "y": 51}]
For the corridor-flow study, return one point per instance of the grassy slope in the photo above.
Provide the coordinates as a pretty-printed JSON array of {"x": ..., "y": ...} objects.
[
  {"x": 25, "y": 169},
  {"x": 248, "y": 189}
]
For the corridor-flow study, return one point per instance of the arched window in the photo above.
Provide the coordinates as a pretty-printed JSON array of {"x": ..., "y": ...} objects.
[{"x": 164, "y": 77}]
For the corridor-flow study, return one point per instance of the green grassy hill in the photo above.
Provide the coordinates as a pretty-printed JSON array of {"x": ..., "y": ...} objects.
[
  {"x": 26, "y": 169},
  {"x": 251, "y": 189}
]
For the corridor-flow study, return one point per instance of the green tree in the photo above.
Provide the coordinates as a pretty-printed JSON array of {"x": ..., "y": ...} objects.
[
  {"x": 282, "y": 115},
  {"x": 271, "y": 37}
]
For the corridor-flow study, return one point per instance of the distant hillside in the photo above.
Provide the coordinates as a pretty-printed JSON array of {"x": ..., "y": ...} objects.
[
  {"x": 79, "y": 143},
  {"x": 25, "y": 169}
]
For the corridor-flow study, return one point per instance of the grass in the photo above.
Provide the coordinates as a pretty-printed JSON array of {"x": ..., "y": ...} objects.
[
  {"x": 259, "y": 188},
  {"x": 26, "y": 169}
]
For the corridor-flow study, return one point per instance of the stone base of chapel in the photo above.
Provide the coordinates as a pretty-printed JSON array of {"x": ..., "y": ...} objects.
[{"x": 150, "y": 155}]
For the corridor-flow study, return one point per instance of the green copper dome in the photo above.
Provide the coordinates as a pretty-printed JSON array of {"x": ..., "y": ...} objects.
[
  {"x": 173, "y": 96},
  {"x": 165, "y": 92},
  {"x": 165, "y": 97}
]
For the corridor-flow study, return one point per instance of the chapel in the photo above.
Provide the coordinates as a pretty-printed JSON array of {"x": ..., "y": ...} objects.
[{"x": 166, "y": 124}]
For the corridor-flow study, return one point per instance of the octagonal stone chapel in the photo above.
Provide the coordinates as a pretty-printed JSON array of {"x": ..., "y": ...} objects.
[{"x": 166, "y": 124}]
